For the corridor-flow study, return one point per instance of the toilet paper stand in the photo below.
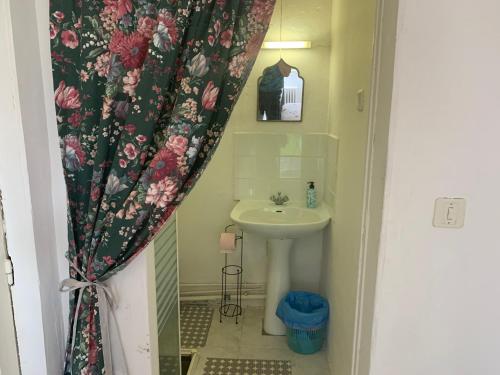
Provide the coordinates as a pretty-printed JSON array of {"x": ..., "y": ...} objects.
[{"x": 232, "y": 283}]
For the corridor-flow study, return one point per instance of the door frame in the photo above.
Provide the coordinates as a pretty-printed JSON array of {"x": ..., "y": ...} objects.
[
  {"x": 25, "y": 181},
  {"x": 375, "y": 176}
]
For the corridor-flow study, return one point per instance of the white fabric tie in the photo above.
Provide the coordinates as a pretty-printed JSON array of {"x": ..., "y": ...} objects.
[{"x": 106, "y": 305}]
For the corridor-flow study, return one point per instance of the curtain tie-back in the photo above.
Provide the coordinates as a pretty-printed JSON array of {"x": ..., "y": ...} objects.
[{"x": 106, "y": 305}]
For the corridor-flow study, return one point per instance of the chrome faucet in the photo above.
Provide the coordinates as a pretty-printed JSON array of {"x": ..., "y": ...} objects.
[{"x": 278, "y": 199}]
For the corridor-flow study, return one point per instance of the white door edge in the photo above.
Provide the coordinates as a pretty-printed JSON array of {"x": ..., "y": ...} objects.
[{"x": 9, "y": 355}]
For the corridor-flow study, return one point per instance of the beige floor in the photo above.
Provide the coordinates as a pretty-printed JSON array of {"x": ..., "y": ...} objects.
[{"x": 245, "y": 340}]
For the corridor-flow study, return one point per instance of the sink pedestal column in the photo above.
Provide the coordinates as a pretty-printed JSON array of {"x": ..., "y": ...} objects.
[{"x": 278, "y": 283}]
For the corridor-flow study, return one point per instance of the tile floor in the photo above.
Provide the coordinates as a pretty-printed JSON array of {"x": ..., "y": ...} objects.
[
  {"x": 195, "y": 324},
  {"x": 241, "y": 366},
  {"x": 169, "y": 365},
  {"x": 245, "y": 340}
]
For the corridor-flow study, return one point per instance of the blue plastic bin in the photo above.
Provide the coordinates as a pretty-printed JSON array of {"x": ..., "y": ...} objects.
[{"x": 305, "y": 316}]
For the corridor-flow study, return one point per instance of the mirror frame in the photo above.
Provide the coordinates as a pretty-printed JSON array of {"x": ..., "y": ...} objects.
[{"x": 301, "y": 104}]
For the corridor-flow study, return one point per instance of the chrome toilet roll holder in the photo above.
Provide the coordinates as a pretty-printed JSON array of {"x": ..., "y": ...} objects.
[{"x": 232, "y": 282}]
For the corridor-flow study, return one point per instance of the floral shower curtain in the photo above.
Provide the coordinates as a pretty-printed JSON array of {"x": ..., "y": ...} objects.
[{"x": 143, "y": 91}]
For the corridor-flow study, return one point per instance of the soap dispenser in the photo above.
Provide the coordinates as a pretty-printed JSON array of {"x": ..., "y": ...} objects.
[{"x": 311, "y": 195}]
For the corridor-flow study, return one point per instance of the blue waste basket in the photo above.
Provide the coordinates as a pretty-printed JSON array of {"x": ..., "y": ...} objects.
[{"x": 305, "y": 316}]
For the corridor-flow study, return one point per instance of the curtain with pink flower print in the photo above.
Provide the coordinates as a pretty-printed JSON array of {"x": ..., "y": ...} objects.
[{"x": 143, "y": 91}]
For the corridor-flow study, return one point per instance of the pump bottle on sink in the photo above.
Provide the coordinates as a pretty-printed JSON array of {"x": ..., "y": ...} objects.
[{"x": 311, "y": 195}]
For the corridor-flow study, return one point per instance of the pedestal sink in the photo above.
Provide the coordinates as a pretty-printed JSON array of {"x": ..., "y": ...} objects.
[{"x": 280, "y": 225}]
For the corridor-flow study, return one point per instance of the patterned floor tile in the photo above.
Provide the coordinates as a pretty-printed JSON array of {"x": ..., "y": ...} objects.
[
  {"x": 195, "y": 324},
  {"x": 230, "y": 366},
  {"x": 169, "y": 365}
]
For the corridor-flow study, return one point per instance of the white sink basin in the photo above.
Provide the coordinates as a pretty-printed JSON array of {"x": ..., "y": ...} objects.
[
  {"x": 280, "y": 225},
  {"x": 291, "y": 221}
]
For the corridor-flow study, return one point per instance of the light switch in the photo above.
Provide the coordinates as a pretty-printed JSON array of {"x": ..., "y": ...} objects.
[
  {"x": 361, "y": 100},
  {"x": 449, "y": 213}
]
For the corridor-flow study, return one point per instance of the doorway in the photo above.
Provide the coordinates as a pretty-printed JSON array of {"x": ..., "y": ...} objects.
[
  {"x": 360, "y": 105},
  {"x": 218, "y": 189}
]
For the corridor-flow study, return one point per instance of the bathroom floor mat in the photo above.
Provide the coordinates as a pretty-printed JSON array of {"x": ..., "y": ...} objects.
[
  {"x": 195, "y": 324},
  {"x": 230, "y": 366},
  {"x": 169, "y": 365}
]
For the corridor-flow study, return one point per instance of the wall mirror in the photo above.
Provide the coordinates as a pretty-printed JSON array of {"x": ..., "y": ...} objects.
[{"x": 280, "y": 94}]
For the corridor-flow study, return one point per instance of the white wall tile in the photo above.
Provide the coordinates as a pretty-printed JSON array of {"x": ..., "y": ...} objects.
[
  {"x": 290, "y": 167},
  {"x": 291, "y": 145},
  {"x": 269, "y": 143},
  {"x": 246, "y": 167},
  {"x": 331, "y": 163},
  {"x": 263, "y": 187},
  {"x": 268, "y": 168},
  {"x": 314, "y": 145},
  {"x": 244, "y": 188},
  {"x": 293, "y": 188},
  {"x": 266, "y": 163},
  {"x": 313, "y": 169}
]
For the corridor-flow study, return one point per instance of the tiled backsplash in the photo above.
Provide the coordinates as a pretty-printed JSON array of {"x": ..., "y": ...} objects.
[{"x": 266, "y": 163}]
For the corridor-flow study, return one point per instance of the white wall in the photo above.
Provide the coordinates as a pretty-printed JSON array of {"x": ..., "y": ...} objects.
[
  {"x": 27, "y": 201},
  {"x": 437, "y": 303},
  {"x": 135, "y": 293}
]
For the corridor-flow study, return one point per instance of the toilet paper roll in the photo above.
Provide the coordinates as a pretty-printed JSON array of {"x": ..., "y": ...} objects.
[{"x": 227, "y": 243}]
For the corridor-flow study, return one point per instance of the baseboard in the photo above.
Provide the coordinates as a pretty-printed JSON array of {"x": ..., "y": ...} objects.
[
  {"x": 246, "y": 301},
  {"x": 248, "y": 289}
]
